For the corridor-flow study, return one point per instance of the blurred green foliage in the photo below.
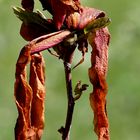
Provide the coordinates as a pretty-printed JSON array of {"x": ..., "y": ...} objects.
[{"x": 123, "y": 76}]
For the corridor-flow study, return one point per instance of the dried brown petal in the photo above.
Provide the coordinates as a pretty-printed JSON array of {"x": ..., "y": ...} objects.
[
  {"x": 79, "y": 19},
  {"x": 25, "y": 96},
  {"x": 97, "y": 74},
  {"x": 87, "y": 15},
  {"x": 37, "y": 82},
  {"x": 55, "y": 7},
  {"x": 58, "y": 14},
  {"x": 72, "y": 20},
  {"x": 31, "y": 31},
  {"x": 75, "y": 4},
  {"x": 48, "y": 41}
]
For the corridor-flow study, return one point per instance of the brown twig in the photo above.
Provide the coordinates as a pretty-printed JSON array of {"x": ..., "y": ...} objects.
[
  {"x": 67, "y": 66},
  {"x": 71, "y": 103}
]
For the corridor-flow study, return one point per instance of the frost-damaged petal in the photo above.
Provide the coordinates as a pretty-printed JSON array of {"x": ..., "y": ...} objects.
[
  {"x": 23, "y": 97},
  {"x": 61, "y": 9},
  {"x": 31, "y": 31},
  {"x": 79, "y": 19},
  {"x": 37, "y": 82},
  {"x": 48, "y": 4},
  {"x": 28, "y": 4},
  {"x": 73, "y": 3},
  {"x": 97, "y": 74},
  {"x": 58, "y": 14},
  {"x": 48, "y": 41},
  {"x": 89, "y": 14},
  {"x": 29, "y": 98}
]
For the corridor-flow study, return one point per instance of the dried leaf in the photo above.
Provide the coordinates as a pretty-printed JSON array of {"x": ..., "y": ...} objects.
[
  {"x": 97, "y": 24},
  {"x": 99, "y": 41}
]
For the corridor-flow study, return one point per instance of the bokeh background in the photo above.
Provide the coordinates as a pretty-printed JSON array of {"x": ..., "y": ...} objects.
[{"x": 123, "y": 100}]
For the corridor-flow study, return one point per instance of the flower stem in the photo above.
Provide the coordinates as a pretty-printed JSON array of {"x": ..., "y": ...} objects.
[
  {"x": 65, "y": 131},
  {"x": 65, "y": 135}
]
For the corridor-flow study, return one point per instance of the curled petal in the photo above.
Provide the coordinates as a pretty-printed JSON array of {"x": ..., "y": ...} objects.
[
  {"x": 31, "y": 31},
  {"x": 57, "y": 12},
  {"x": 23, "y": 97},
  {"x": 48, "y": 41},
  {"x": 79, "y": 19},
  {"x": 87, "y": 15},
  {"x": 29, "y": 98},
  {"x": 72, "y": 20},
  {"x": 99, "y": 41},
  {"x": 75, "y": 4},
  {"x": 59, "y": 15},
  {"x": 37, "y": 83}
]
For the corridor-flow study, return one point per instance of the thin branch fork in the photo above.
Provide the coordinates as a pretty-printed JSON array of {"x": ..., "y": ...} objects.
[{"x": 66, "y": 130}]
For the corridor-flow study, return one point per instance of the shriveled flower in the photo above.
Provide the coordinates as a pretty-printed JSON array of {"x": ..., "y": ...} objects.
[{"x": 71, "y": 26}]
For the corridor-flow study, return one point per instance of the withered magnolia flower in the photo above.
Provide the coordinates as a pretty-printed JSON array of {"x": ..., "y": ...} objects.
[{"x": 72, "y": 19}]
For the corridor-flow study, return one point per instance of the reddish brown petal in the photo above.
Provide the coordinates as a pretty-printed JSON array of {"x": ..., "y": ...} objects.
[
  {"x": 29, "y": 98},
  {"x": 61, "y": 9},
  {"x": 88, "y": 14},
  {"x": 72, "y": 3},
  {"x": 72, "y": 20},
  {"x": 37, "y": 82},
  {"x": 23, "y": 97},
  {"x": 58, "y": 14},
  {"x": 97, "y": 74},
  {"x": 31, "y": 31},
  {"x": 48, "y": 41},
  {"x": 79, "y": 19}
]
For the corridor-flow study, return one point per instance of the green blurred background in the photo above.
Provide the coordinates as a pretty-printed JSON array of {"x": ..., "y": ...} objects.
[{"x": 123, "y": 76}]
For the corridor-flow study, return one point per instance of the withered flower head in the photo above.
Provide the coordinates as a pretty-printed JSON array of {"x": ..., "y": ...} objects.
[{"x": 71, "y": 25}]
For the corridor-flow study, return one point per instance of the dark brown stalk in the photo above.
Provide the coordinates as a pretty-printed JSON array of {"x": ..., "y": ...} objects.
[
  {"x": 65, "y": 135},
  {"x": 70, "y": 109}
]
